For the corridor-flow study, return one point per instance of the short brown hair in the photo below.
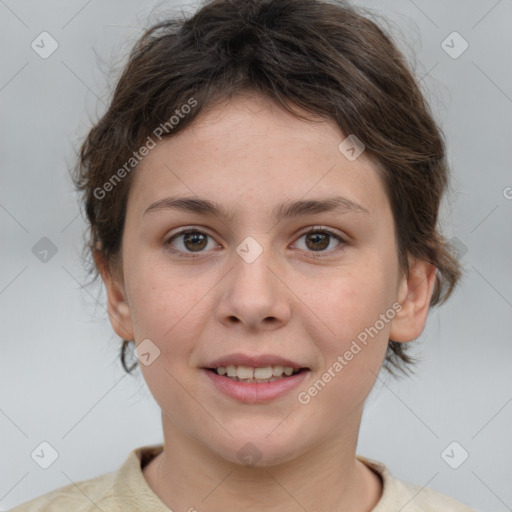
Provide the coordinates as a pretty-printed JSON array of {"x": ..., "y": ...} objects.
[{"x": 325, "y": 57}]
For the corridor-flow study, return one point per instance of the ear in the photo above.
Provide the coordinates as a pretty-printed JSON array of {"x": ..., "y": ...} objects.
[
  {"x": 414, "y": 294},
  {"x": 117, "y": 303}
]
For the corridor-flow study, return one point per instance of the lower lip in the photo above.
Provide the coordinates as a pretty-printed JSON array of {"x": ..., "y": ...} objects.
[{"x": 253, "y": 392}]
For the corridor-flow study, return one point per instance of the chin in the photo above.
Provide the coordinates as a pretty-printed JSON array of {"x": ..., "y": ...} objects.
[{"x": 259, "y": 451}]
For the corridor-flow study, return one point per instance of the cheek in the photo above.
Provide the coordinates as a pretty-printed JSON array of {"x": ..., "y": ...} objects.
[
  {"x": 353, "y": 348},
  {"x": 357, "y": 308},
  {"x": 356, "y": 298},
  {"x": 167, "y": 309},
  {"x": 160, "y": 295}
]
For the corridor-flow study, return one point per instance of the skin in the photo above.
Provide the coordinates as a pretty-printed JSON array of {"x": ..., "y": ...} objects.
[{"x": 250, "y": 155}]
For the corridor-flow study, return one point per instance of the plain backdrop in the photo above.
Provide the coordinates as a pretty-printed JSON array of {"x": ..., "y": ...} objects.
[{"x": 60, "y": 379}]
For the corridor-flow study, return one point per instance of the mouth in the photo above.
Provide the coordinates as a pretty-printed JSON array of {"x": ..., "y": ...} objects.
[
  {"x": 256, "y": 375},
  {"x": 255, "y": 384},
  {"x": 255, "y": 378}
]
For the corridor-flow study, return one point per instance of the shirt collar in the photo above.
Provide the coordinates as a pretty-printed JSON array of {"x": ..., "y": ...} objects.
[{"x": 132, "y": 492}]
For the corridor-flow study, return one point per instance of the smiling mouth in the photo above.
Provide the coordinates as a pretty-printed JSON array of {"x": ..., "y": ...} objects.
[{"x": 261, "y": 375}]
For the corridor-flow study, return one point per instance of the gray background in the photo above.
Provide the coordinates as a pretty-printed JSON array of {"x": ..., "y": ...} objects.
[{"x": 60, "y": 381}]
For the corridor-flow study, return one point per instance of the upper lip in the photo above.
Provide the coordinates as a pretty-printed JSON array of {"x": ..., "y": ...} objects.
[{"x": 256, "y": 361}]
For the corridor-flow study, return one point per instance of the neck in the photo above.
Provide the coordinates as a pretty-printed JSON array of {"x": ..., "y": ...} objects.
[{"x": 188, "y": 476}]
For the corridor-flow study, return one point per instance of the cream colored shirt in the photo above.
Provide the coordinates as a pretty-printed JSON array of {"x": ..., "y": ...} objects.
[{"x": 126, "y": 490}]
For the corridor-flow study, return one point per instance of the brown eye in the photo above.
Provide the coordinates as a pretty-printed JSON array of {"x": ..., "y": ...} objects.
[
  {"x": 189, "y": 241},
  {"x": 195, "y": 241},
  {"x": 317, "y": 241},
  {"x": 321, "y": 241}
]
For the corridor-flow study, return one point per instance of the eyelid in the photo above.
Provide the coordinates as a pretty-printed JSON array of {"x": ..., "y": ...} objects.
[{"x": 325, "y": 229}]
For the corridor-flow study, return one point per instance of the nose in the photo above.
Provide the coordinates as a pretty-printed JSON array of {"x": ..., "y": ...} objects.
[{"x": 253, "y": 294}]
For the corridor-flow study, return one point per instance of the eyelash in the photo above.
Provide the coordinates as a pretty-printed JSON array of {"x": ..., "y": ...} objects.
[{"x": 314, "y": 254}]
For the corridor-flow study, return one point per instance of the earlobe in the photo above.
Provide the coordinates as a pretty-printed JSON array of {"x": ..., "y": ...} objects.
[
  {"x": 117, "y": 303},
  {"x": 414, "y": 294}
]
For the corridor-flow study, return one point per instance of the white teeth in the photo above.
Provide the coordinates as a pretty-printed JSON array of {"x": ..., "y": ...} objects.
[
  {"x": 263, "y": 373},
  {"x": 256, "y": 374},
  {"x": 245, "y": 372},
  {"x": 277, "y": 371}
]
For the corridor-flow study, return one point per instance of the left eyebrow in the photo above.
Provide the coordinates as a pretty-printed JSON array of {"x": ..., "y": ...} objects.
[{"x": 337, "y": 204}]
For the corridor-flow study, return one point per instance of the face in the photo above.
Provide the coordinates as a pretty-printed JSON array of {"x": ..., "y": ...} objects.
[{"x": 261, "y": 288}]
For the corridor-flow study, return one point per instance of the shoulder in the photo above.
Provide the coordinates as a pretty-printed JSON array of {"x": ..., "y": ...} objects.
[
  {"x": 408, "y": 497},
  {"x": 84, "y": 496},
  {"x": 423, "y": 499},
  {"x": 110, "y": 492}
]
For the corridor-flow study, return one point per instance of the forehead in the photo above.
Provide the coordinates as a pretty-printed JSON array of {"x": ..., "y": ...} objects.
[{"x": 250, "y": 151}]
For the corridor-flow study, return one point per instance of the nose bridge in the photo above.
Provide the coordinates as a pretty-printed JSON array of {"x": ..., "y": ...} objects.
[
  {"x": 253, "y": 261},
  {"x": 253, "y": 292}
]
